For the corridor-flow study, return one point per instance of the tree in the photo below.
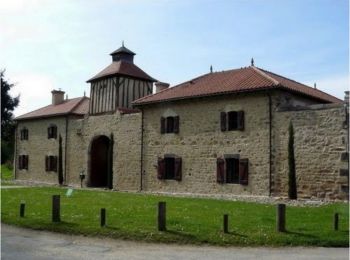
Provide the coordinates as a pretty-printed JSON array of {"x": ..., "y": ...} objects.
[
  {"x": 292, "y": 184},
  {"x": 8, "y": 104}
]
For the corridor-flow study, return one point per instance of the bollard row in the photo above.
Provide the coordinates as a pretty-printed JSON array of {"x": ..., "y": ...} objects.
[{"x": 280, "y": 216}]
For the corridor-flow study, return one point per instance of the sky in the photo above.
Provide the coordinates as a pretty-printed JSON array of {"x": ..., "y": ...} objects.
[{"x": 49, "y": 44}]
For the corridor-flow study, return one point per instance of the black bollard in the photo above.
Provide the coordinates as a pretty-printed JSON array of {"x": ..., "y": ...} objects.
[
  {"x": 103, "y": 217},
  {"x": 281, "y": 218},
  {"x": 226, "y": 223},
  {"x": 161, "y": 216},
  {"x": 22, "y": 209},
  {"x": 56, "y": 208}
]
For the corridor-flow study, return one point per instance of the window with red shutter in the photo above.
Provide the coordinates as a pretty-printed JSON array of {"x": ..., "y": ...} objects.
[
  {"x": 232, "y": 170},
  {"x": 20, "y": 162},
  {"x": 178, "y": 170},
  {"x": 52, "y": 132},
  {"x": 176, "y": 124},
  {"x": 47, "y": 162},
  {"x": 26, "y": 162},
  {"x": 240, "y": 120},
  {"x": 220, "y": 170},
  {"x": 162, "y": 125},
  {"x": 161, "y": 169},
  {"x": 243, "y": 171},
  {"x": 223, "y": 121}
]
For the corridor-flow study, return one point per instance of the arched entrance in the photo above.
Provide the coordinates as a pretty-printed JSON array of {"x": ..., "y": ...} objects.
[{"x": 100, "y": 162}]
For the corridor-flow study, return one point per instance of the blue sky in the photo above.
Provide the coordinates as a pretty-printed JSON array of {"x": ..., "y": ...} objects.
[{"x": 60, "y": 44}]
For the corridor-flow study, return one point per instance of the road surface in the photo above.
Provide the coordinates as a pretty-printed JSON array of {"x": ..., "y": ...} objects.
[{"x": 23, "y": 244}]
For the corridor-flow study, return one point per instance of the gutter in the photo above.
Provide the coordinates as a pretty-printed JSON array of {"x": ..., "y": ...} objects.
[
  {"x": 65, "y": 152},
  {"x": 141, "y": 159},
  {"x": 270, "y": 144},
  {"x": 15, "y": 153}
]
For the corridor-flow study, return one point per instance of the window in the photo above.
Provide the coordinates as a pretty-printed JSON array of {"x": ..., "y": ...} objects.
[
  {"x": 24, "y": 134},
  {"x": 169, "y": 168},
  {"x": 23, "y": 161},
  {"x": 51, "y": 163},
  {"x": 52, "y": 132},
  {"x": 233, "y": 120},
  {"x": 232, "y": 170},
  {"x": 169, "y": 124}
]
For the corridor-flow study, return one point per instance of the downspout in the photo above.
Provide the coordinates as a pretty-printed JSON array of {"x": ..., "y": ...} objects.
[
  {"x": 65, "y": 152},
  {"x": 15, "y": 153},
  {"x": 270, "y": 144},
  {"x": 141, "y": 159}
]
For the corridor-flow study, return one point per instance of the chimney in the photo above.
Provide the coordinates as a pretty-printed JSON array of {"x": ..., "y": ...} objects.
[
  {"x": 161, "y": 86},
  {"x": 57, "y": 97}
]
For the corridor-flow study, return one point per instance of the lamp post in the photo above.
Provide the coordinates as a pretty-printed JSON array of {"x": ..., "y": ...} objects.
[{"x": 82, "y": 177}]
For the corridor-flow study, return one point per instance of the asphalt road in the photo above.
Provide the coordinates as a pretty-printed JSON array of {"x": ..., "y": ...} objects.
[{"x": 23, "y": 244}]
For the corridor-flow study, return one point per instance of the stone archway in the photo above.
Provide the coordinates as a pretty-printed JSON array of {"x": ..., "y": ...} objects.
[{"x": 100, "y": 163}]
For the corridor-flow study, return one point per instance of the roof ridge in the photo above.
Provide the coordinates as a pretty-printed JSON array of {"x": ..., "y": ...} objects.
[
  {"x": 311, "y": 88},
  {"x": 262, "y": 73},
  {"x": 77, "y": 104}
]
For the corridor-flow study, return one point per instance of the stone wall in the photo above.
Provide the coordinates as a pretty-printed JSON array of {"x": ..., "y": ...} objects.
[
  {"x": 200, "y": 142},
  {"x": 37, "y": 147},
  {"x": 320, "y": 151},
  {"x": 126, "y": 129}
]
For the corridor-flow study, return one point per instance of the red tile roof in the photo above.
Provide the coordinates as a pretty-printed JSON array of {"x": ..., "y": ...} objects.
[
  {"x": 123, "y": 68},
  {"x": 232, "y": 81},
  {"x": 75, "y": 106}
]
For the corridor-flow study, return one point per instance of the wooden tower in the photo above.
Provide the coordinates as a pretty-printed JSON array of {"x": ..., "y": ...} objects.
[{"x": 118, "y": 84}]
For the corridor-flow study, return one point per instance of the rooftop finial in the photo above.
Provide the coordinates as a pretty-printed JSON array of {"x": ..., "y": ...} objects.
[
  {"x": 252, "y": 62},
  {"x": 123, "y": 43},
  {"x": 211, "y": 69},
  {"x": 84, "y": 93},
  {"x": 315, "y": 85}
]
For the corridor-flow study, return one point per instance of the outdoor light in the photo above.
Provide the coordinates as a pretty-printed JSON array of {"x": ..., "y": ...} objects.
[{"x": 82, "y": 177}]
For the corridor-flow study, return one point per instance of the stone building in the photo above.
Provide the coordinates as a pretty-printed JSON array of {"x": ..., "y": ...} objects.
[{"x": 220, "y": 133}]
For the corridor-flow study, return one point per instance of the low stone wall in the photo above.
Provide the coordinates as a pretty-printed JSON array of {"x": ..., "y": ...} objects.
[{"x": 320, "y": 152}]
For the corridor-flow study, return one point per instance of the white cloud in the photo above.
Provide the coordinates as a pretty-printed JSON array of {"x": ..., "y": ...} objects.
[
  {"x": 334, "y": 85},
  {"x": 34, "y": 91}
]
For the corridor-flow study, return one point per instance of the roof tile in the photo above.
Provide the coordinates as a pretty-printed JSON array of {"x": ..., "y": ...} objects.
[{"x": 231, "y": 81}]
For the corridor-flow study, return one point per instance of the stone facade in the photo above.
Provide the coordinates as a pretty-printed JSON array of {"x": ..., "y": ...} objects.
[
  {"x": 200, "y": 142},
  {"x": 320, "y": 147},
  {"x": 38, "y": 146}
]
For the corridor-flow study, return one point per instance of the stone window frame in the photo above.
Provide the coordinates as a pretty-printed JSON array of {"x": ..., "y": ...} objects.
[
  {"x": 222, "y": 169},
  {"x": 232, "y": 120},
  {"x": 51, "y": 163},
  {"x": 170, "y": 124},
  {"x": 23, "y": 162},
  {"x": 169, "y": 160},
  {"x": 52, "y": 131}
]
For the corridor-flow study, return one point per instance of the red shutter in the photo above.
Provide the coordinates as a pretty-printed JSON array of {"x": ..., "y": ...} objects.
[
  {"x": 161, "y": 169},
  {"x": 178, "y": 169},
  {"x": 20, "y": 162},
  {"x": 220, "y": 170},
  {"x": 223, "y": 121},
  {"x": 54, "y": 132},
  {"x": 243, "y": 171},
  {"x": 47, "y": 163},
  {"x": 26, "y": 162},
  {"x": 54, "y": 160},
  {"x": 176, "y": 124},
  {"x": 240, "y": 120},
  {"x": 162, "y": 125}
]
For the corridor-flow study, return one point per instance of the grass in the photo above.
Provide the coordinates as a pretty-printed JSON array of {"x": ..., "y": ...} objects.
[
  {"x": 189, "y": 220},
  {"x": 6, "y": 173}
]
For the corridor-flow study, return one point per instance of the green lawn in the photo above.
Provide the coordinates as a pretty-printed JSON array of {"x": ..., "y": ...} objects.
[
  {"x": 6, "y": 173},
  {"x": 197, "y": 221}
]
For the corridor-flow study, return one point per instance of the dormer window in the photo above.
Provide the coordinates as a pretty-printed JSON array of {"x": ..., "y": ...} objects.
[
  {"x": 24, "y": 134},
  {"x": 52, "y": 132},
  {"x": 169, "y": 124}
]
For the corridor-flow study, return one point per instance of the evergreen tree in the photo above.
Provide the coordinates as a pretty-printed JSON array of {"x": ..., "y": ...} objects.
[
  {"x": 8, "y": 104},
  {"x": 292, "y": 185}
]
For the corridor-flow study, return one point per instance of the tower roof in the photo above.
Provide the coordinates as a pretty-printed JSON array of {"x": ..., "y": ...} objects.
[{"x": 123, "y": 49}]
